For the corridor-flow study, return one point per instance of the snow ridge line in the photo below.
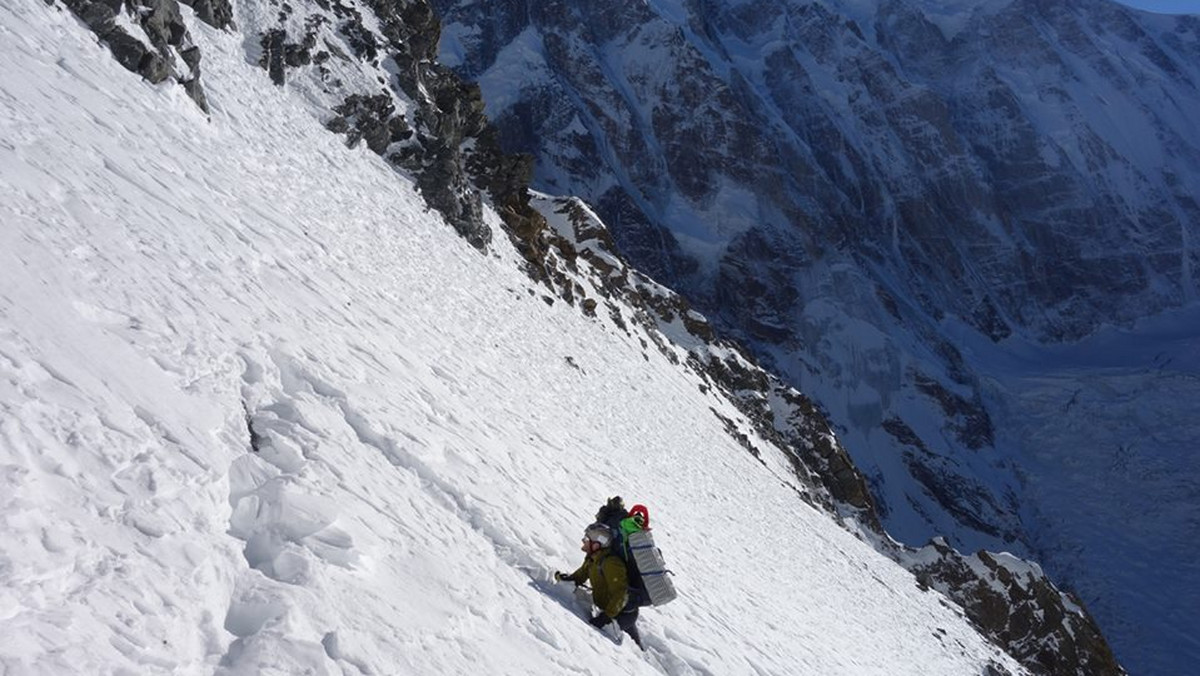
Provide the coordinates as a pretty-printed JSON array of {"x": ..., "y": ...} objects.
[{"x": 288, "y": 529}]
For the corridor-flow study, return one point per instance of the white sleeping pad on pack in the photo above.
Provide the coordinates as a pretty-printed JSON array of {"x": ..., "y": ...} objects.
[{"x": 651, "y": 567}]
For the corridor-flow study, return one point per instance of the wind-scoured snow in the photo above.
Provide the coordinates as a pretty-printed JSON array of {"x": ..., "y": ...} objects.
[{"x": 263, "y": 412}]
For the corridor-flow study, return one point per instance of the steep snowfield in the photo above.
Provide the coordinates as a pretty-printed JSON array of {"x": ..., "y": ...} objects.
[{"x": 431, "y": 435}]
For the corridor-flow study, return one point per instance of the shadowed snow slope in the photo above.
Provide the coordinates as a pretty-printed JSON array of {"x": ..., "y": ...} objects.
[{"x": 263, "y": 412}]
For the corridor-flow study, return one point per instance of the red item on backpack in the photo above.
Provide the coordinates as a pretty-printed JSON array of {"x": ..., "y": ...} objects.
[{"x": 642, "y": 515}]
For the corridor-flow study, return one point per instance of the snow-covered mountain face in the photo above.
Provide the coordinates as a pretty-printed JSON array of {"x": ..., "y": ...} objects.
[
  {"x": 871, "y": 194},
  {"x": 265, "y": 412},
  {"x": 948, "y": 149},
  {"x": 253, "y": 384}
]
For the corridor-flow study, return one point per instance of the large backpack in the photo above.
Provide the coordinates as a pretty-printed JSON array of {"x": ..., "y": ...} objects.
[{"x": 648, "y": 580}]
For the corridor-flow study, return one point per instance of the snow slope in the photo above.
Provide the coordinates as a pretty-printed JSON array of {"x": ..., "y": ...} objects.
[{"x": 263, "y": 412}]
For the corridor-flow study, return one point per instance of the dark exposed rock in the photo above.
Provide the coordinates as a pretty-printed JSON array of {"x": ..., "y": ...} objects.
[
  {"x": 216, "y": 13},
  {"x": 296, "y": 56},
  {"x": 278, "y": 52},
  {"x": 362, "y": 41},
  {"x": 443, "y": 139},
  {"x": 136, "y": 56},
  {"x": 1013, "y": 601},
  {"x": 156, "y": 69},
  {"x": 191, "y": 57},
  {"x": 988, "y": 319},
  {"x": 162, "y": 22},
  {"x": 164, "y": 27},
  {"x": 959, "y": 495},
  {"x": 99, "y": 16},
  {"x": 273, "y": 46},
  {"x": 196, "y": 90},
  {"x": 370, "y": 119},
  {"x": 903, "y": 433},
  {"x": 969, "y": 419}
]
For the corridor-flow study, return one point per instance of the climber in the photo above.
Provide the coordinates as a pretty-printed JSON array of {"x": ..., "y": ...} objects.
[{"x": 608, "y": 575}]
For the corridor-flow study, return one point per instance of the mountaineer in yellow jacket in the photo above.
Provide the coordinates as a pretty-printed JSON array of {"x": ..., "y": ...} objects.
[{"x": 607, "y": 574}]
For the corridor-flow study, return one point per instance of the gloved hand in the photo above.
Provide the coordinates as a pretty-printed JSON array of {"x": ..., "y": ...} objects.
[
  {"x": 560, "y": 576},
  {"x": 600, "y": 621}
]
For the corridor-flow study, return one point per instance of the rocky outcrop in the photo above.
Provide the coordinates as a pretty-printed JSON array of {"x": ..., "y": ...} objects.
[
  {"x": 149, "y": 37},
  {"x": 216, "y": 13},
  {"x": 1013, "y": 601},
  {"x": 375, "y": 62}
]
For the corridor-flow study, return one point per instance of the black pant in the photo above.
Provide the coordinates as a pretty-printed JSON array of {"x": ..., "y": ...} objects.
[{"x": 627, "y": 621}]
